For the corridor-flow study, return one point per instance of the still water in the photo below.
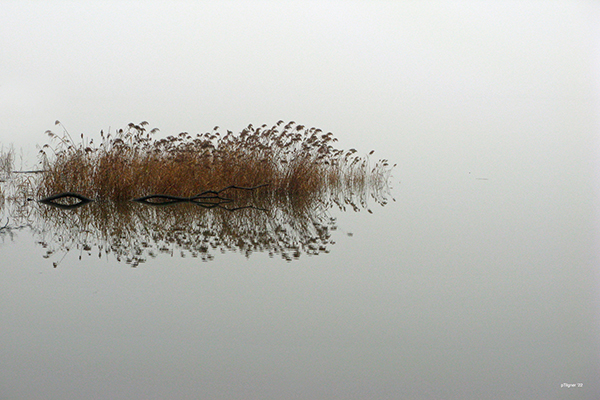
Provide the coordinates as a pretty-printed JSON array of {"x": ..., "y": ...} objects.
[
  {"x": 461, "y": 286},
  {"x": 480, "y": 281}
]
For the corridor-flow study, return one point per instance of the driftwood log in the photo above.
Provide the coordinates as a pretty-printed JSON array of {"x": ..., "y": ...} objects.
[
  {"x": 207, "y": 199},
  {"x": 51, "y": 200}
]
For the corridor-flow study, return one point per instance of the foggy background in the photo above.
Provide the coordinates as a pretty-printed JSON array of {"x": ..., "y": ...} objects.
[{"x": 418, "y": 81}]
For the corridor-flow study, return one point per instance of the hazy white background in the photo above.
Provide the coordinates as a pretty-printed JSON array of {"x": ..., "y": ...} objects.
[{"x": 414, "y": 80}]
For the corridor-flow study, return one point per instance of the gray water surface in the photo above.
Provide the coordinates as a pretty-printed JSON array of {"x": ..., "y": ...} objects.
[
  {"x": 457, "y": 289},
  {"x": 480, "y": 281}
]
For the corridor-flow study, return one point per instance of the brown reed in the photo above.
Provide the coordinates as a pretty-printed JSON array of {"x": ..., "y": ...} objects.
[
  {"x": 7, "y": 158},
  {"x": 294, "y": 161}
]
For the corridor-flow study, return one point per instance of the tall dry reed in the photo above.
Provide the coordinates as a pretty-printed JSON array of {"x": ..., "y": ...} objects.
[
  {"x": 293, "y": 160},
  {"x": 7, "y": 158}
]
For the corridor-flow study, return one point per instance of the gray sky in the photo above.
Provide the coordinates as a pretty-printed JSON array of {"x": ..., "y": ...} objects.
[{"x": 387, "y": 75}]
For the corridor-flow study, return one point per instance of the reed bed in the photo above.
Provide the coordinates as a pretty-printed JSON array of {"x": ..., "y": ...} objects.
[
  {"x": 7, "y": 158},
  {"x": 6, "y": 166},
  {"x": 294, "y": 161}
]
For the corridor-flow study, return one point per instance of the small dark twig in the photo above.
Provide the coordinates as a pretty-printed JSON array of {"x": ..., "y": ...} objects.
[
  {"x": 168, "y": 199},
  {"x": 241, "y": 208},
  {"x": 230, "y": 187}
]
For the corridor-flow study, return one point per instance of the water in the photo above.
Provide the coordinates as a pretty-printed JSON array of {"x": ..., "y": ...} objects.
[
  {"x": 480, "y": 281},
  {"x": 460, "y": 288}
]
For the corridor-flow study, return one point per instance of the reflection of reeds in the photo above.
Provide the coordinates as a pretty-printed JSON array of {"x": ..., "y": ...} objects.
[
  {"x": 133, "y": 232},
  {"x": 291, "y": 159},
  {"x": 286, "y": 226}
]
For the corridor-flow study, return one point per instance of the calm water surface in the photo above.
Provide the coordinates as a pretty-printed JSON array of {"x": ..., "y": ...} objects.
[
  {"x": 461, "y": 288},
  {"x": 480, "y": 281}
]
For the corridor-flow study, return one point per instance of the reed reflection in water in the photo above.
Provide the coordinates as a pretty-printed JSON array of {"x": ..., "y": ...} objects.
[{"x": 132, "y": 232}]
